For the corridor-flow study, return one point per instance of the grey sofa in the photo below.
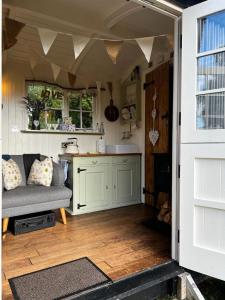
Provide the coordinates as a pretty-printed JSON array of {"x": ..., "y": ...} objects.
[{"x": 27, "y": 199}]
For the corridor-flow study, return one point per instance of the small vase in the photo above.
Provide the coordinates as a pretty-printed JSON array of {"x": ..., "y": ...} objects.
[{"x": 35, "y": 121}]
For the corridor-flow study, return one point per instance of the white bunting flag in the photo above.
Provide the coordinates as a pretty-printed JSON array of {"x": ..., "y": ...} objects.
[
  {"x": 33, "y": 61},
  {"x": 146, "y": 45},
  {"x": 72, "y": 79},
  {"x": 55, "y": 70},
  {"x": 79, "y": 43},
  {"x": 98, "y": 85},
  {"x": 47, "y": 38},
  {"x": 113, "y": 48}
]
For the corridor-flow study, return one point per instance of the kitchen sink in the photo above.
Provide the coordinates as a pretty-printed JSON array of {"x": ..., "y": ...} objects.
[{"x": 126, "y": 148}]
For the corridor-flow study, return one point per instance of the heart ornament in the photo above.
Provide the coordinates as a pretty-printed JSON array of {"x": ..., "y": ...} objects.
[{"x": 153, "y": 136}]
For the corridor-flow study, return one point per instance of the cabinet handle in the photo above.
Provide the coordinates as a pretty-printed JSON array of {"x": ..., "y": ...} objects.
[
  {"x": 94, "y": 162},
  {"x": 125, "y": 160},
  {"x": 107, "y": 187},
  {"x": 81, "y": 170},
  {"x": 114, "y": 186}
]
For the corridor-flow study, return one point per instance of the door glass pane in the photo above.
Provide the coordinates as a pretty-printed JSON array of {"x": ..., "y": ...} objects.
[
  {"x": 210, "y": 111},
  {"x": 211, "y": 72},
  {"x": 211, "y": 32}
]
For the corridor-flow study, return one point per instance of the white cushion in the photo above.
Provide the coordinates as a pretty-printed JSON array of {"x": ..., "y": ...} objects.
[
  {"x": 41, "y": 172},
  {"x": 11, "y": 174}
]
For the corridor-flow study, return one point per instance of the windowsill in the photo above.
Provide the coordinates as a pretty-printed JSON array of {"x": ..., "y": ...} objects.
[{"x": 44, "y": 131}]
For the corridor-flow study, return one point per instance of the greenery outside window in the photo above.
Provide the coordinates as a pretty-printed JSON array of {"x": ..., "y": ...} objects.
[
  {"x": 54, "y": 102},
  {"x": 81, "y": 109}
]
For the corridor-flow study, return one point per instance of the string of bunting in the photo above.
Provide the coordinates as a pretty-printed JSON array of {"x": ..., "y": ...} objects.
[{"x": 47, "y": 38}]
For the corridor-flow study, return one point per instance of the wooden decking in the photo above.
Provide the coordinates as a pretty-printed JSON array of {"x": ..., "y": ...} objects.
[{"x": 115, "y": 240}]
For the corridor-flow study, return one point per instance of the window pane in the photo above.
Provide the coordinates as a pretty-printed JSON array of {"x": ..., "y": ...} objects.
[
  {"x": 87, "y": 102},
  {"x": 211, "y": 72},
  {"x": 54, "y": 116},
  {"x": 74, "y": 101},
  {"x": 35, "y": 91},
  {"x": 75, "y": 118},
  {"x": 52, "y": 95},
  {"x": 87, "y": 120},
  {"x": 210, "y": 111},
  {"x": 211, "y": 32}
]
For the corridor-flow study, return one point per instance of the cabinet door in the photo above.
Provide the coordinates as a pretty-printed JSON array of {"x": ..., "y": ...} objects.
[
  {"x": 125, "y": 183},
  {"x": 94, "y": 188}
]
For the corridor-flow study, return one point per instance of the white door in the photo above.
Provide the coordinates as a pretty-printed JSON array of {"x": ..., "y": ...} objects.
[{"x": 202, "y": 182}]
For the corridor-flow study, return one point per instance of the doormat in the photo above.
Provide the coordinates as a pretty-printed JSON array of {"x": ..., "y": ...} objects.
[{"x": 58, "y": 282}]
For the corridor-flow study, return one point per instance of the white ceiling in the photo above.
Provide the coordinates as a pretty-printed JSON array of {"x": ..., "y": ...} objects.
[{"x": 95, "y": 18}]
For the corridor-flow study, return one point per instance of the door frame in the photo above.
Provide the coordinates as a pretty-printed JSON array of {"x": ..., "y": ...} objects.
[
  {"x": 176, "y": 138},
  {"x": 175, "y": 134}
]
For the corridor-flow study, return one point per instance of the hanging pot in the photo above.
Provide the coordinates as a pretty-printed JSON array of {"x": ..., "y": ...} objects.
[{"x": 111, "y": 111}]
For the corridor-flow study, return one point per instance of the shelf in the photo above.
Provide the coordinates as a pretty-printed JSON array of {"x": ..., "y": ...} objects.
[{"x": 61, "y": 132}]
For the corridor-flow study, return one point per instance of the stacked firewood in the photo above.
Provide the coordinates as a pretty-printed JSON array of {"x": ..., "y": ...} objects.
[{"x": 165, "y": 213}]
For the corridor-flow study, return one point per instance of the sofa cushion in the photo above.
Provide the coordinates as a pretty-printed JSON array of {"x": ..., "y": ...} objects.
[
  {"x": 28, "y": 160},
  {"x": 19, "y": 160},
  {"x": 41, "y": 172},
  {"x": 29, "y": 195},
  {"x": 11, "y": 174}
]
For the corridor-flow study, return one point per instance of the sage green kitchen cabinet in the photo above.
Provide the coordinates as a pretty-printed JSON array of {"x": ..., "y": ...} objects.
[
  {"x": 126, "y": 178},
  {"x": 103, "y": 182},
  {"x": 94, "y": 188}
]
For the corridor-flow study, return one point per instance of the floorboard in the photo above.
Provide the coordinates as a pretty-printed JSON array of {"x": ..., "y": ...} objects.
[{"x": 115, "y": 240}]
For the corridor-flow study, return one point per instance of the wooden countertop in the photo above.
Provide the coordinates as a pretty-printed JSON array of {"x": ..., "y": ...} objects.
[{"x": 97, "y": 154}]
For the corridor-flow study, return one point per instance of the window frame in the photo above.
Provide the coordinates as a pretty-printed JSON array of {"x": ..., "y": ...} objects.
[
  {"x": 207, "y": 92},
  {"x": 65, "y": 101},
  {"x": 81, "y": 111}
]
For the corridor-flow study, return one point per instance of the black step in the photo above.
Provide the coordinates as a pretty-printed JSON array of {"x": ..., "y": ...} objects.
[{"x": 149, "y": 284}]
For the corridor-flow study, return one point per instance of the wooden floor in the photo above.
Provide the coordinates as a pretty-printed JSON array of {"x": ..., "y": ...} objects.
[{"x": 115, "y": 240}]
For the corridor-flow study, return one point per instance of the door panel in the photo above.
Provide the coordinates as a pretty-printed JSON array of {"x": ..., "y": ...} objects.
[
  {"x": 202, "y": 209},
  {"x": 202, "y": 181},
  {"x": 161, "y": 82}
]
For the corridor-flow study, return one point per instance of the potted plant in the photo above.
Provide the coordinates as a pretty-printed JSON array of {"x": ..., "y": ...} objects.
[{"x": 34, "y": 107}]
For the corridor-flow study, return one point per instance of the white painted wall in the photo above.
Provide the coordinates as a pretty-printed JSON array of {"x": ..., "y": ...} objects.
[{"x": 14, "y": 117}]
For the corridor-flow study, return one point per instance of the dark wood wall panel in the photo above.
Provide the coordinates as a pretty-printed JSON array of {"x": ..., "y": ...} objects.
[{"x": 160, "y": 79}]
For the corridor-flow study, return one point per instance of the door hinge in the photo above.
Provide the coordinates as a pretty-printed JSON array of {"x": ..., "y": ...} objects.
[
  {"x": 178, "y": 235},
  {"x": 81, "y": 170},
  {"x": 145, "y": 191},
  {"x": 179, "y": 121},
  {"x": 178, "y": 171},
  {"x": 80, "y": 205},
  {"x": 181, "y": 41},
  {"x": 147, "y": 84}
]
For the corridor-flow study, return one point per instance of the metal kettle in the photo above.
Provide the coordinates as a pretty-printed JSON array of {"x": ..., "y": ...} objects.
[{"x": 72, "y": 146}]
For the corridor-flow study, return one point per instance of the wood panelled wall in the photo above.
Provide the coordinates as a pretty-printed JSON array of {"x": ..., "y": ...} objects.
[
  {"x": 14, "y": 119},
  {"x": 159, "y": 80}
]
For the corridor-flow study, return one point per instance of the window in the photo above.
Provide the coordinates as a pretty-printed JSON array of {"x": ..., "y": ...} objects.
[
  {"x": 79, "y": 105},
  {"x": 81, "y": 109},
  {"x": 53, "y": 101},
  {"x": 211, "y": 72}
]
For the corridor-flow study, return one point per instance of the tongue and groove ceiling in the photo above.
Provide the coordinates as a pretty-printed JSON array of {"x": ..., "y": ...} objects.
[{"x": 112, "y": 19}]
